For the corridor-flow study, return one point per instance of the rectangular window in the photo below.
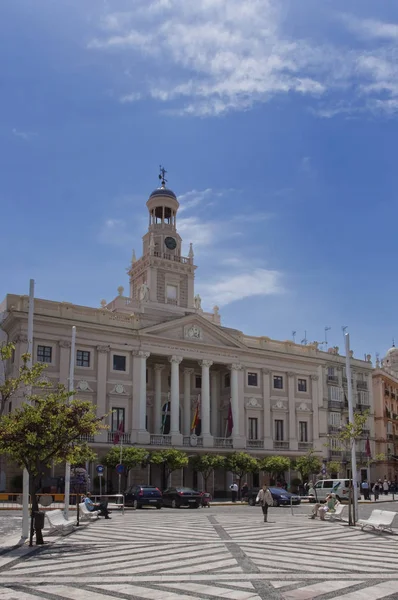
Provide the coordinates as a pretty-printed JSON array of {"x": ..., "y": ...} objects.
[
  {"x": 44, "y": 354},
  {"x": 227, "y": 380},
  {"x": 302, "y": 385},
  {"x": 334, "y": 393},
  {"x": 198, "y": 382},
  {"x": 279, "y": 430},
  {"x": 252, "y": 379},
  {"x": 83, "y": 358},
  {"x": 118, "y": 417},
  {"x": 331, "y": 372},
  {"x": 119, "y": 362},
  {"x": 171, "y": 291},
  {"x": 278, "y": 382},
  {"x": 253, "y": 428},
  {"x": 335, "y": 444},
  {"x": 303, "y": 431},
  {"x": 335, "y": 419}
]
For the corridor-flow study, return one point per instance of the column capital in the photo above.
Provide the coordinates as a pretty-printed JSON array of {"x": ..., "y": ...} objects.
[
  {"x": 265, "y": 371},
  {"x": 290, "y": 374},
  {"x": 235, "y": 367},
  {"x": 189, "y": 371},
  {"x": 314, "y": 377},
  {"x": 65, "y": 343},
  {"x": 175, "y": 359},
  {"x": 205, "y": 363},
  {"x": 141, "y": 354},
  {"x": 159, "y": 367},
  {"x": 103, "y": 349},
  {"x": 22, "y": 337}
]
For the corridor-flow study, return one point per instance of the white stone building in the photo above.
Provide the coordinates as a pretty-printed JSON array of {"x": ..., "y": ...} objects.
[{"x": 152, "y": 355}]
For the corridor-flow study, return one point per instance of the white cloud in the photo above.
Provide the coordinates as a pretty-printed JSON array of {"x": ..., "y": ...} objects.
[
  {"x": 260, "y": 282},
  {"x": 195, "y": 197},
  {"x": 24, "y": 135}
]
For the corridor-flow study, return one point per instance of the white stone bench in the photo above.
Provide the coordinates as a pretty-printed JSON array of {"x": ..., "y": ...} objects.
[
  {"x": 337, "y": 514},
  {"x": 88, "y": 515},
  {"x": 379, "y": 520},
  {"x": 58, "y": 523}
]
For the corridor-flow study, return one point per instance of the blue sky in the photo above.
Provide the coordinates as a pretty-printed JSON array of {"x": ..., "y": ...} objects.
[{"x": 277, "y": 123}]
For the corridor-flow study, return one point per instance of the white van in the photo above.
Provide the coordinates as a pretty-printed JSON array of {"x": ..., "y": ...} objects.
[{"x": 340, "y": 487}]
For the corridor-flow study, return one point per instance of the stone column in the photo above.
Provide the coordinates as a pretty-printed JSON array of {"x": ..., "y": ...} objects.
[
  {"x": 238, "y": 440},
  {"x": 64, "y": 362},
  {"x": 205, "y": 402},
  {"x": 102, "y": 372},
  {"x": 214, "y": 401},
  {"x": 267, "y": 422},
  {"x": 293, "y": 441},
  {"x": 187, "y": 401},
  {"x": 176, "y": 437},
  {"x": 140, "y": 434},
  {"x": 158, "y": 399}
]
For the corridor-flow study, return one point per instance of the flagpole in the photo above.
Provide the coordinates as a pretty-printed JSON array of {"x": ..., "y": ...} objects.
[
  {"x": 351, "y": 420},
  {"x": 120, "y": 460},
  {"x": 70, "y": 389},
  {"x": 25, "y": 475}
]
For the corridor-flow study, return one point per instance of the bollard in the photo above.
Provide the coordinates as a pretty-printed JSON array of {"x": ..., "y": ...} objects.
[{"x": 39, "y": 526}]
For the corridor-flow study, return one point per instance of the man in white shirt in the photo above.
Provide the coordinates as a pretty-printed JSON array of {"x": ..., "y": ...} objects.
[{"x": 234, "y": 491}]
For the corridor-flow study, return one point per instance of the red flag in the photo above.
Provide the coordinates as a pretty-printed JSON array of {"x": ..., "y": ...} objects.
[
  {"x": 116, "y": 436},
  {"x": 367, "y": 448},
  {"x": 195, "y": 419},
  {"x": 230, "y": 419}
]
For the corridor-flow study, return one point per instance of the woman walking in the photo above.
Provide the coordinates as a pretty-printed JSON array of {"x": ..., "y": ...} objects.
[{"x": 264, "y": 498}]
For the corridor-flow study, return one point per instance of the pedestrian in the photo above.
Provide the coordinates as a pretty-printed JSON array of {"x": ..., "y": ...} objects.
[
  {"x": 365, "y": 489},
  {"x": 376, "y": 490},
  {"x": 386, "y": 486},
  {"x": 243, "y": 492},
  {"x": 234, "y": 491},
  {"x": 264, "y": 498}
]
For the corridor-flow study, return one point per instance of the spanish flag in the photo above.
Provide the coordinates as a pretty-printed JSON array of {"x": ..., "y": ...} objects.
[{"x": 196, "y": 416}]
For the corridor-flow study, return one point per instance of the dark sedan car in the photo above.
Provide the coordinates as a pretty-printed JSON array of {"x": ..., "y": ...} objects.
[
  {"x": 182, "y": 496},
  {"x": 280, "y": 496},
  {"x": 138, "y": 496}
]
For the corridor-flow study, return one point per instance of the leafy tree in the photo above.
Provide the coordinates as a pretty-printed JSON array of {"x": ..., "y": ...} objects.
[
  {"x": 132, "y": 457},
  {"x": 241, "y": 463},
  {"x": 26, "y": 378},
  {"x": 308, "y": 465},
  {"x": 275, "y": 465},
  {"x": 333, "y": 466},
  {"x": 206, "y": 464},
  {"x": 172, "y": 460},
  {"x": 45, "y": 432}
]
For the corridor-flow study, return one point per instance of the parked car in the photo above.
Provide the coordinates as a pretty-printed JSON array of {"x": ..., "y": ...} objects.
[
  {"x": 280, "y": 497},
  {"x": 138, "y": 496},
  {"x": 182, "y": 496},
  {"x": 340, "y": 487}
]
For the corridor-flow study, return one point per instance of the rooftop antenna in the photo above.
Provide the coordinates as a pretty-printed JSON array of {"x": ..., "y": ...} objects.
[
  {"x": 393, "y": 342},
  {"x": 326, "y": 336},
  {"x": 162, "y": 175},
  {"x": 304, "y": 341},
  {"x": 294, "y": 336}
]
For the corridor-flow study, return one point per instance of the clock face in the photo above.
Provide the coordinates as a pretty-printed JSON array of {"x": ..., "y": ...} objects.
[{"x": 170, "y": 243}]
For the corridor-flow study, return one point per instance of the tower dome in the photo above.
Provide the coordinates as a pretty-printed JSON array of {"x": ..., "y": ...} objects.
[
  {"x": 163, "y": 191},
  {"x": 391, "y": 358}
]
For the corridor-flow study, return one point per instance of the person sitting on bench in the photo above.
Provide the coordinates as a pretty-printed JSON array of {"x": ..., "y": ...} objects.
[
  {"x": 102, "y": 506},
  {"x": 330, "y": 506}
]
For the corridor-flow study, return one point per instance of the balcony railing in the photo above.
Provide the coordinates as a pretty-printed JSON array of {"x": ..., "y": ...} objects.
[
  {"x": 86, "y": 438},
  {"x": 335, "y": 404},
  {"x": 281, "y": 445},
  {"x": 255, "y": 444},
  {"x": 305, "y": 445},
  {"x": 332, "y": 378},
  {"x": 116, "y": 437},
  {"x": 187, "y": 441},
  {"x": 334, "y": 428},
  {"x": 362, "y": 385},
  {"x": 160, "y": 440},
  {"x": 220, "y": 442},
  {"x": 167, "y": 256}
]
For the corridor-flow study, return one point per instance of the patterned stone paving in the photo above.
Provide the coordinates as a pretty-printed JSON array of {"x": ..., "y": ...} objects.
[{"x": 206, "y": 554}]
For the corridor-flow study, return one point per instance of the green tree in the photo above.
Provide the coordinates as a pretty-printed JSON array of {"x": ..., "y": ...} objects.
[
  {"x": 206, "y": 464},
  {"x": 132, "y": 457},
  {"x": 275, "y": 465},
  {"x": 308, "y": 465},
  {"x": 241, "y": 463},
  {"x": 45, "y": 432},
  {"x": 333, "y": 466},
  {"x": 172, "y": 460},
  {"x": 26, "y": 378}
]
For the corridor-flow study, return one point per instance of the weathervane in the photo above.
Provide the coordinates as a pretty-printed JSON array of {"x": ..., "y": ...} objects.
[{"x": 162, "y": 175}]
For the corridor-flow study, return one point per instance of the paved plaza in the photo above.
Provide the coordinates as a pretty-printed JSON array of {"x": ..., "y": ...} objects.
[{"x": 224, "y": 552}]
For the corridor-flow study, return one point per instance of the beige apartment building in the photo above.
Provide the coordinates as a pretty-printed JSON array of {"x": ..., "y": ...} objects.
[
  {"x": 153, "y": 355},
  {"x": 385, "y": 394}
]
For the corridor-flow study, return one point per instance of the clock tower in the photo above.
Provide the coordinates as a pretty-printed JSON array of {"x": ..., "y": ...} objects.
[{"x": 162, "y": 276}]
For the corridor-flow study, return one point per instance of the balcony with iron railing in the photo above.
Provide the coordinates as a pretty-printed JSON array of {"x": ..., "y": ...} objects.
[
  {"x": 334, "y": 428},
  {"x": 160, "y": 440},
  {"x": 115, "y": 437},
  {"x": 255, "y": 444},
  {"x": 362, "y": 385},
  {"x": 332, "y": 379},
  {"x": 280, "y": 445},
  {"x": 222, "y": 442},
  {"x": 86, "y": 438},
  {"x": 305, "y": 445},
  {"x": 335, "y": 404}
]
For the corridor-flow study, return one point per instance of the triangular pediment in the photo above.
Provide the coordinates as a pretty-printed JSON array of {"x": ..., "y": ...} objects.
[{"x": 195, "y": 329}]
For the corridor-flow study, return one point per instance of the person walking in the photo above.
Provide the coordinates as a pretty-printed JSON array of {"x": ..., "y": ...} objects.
[
  {"x": 376, "y": 490},
  {"x": 234, "y": 491},
  {"x": 365, "y": 489},
  {"x": 243, "y": 492},
  {"x": 386, "y": 486},
  {"x": 264, "y": 498}
]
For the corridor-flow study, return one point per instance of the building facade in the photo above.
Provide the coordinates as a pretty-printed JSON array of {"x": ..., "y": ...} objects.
[{"x": 154, "y": 356}]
